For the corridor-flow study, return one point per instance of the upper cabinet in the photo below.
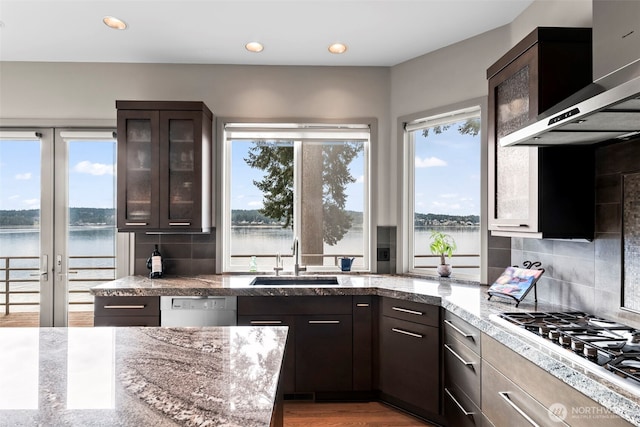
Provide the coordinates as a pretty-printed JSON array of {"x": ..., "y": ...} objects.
[
  {"x": 546, "y": 191},
  {"x": 164, "y": 166}
]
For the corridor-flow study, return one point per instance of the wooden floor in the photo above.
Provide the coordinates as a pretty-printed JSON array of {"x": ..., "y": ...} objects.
[
  {"x": 372, "y": 414},
  {"x": 32, "y": 319}
]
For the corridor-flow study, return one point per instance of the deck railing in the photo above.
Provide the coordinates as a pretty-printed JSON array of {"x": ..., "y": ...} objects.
[{"x": 20, "y": 283}]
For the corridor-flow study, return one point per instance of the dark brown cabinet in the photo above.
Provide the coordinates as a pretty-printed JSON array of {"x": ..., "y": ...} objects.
[
  {"x": 539, "y": 191},
  {"x": 320, "y": 352},
  {"x": 126, "y": 311},
  {"x": 462, "y": 369},
  {"x": 164, "y": 166},
  {"x": 410, "y": 356}
]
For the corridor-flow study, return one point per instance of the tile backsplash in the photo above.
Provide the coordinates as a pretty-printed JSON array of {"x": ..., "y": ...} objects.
[
  {"x": 184, "y": 254},
  {"x": 588, "y": 275}
]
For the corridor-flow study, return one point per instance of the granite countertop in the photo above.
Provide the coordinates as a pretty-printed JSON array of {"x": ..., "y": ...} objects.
[
  {"x": 214, "y": 376},
  {"x": 466, "y": 300}
]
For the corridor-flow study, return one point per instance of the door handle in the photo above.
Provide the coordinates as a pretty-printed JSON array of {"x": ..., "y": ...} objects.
[
  {"x": 323, "y": 322},
  {"x": 505, "y": 396},
  {"x": 411, "y": 334},
  {"x": 458, "y": 330},
  {"x": 44, "y": 269},
  {"x": 406, "y": 310},
  {"x": 266, "y": 322},
  {"x": 464, "y": 362}
]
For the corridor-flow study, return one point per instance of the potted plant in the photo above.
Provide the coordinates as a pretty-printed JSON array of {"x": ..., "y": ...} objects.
[{"x": 444, "y": 245}]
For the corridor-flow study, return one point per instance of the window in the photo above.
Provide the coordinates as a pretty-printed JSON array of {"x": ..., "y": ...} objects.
[
  {"x": 286, "y": 181},
  {"x": 445, "y": 189}
]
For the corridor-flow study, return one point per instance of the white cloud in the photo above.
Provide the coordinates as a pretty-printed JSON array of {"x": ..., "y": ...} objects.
[
  {"x": 255, "y": 204},
  {"x": 447, "y": 206},
  {"x": 97, "y": 169},
  {"x": 31, "y": 202},
  {"x": 360, "y": 179},
  {"x": 429, "y": 162},
  {"x": 14, "y": 197},
  {"x": 23, "y": 176},
  {"x": 449, "y": 196}
]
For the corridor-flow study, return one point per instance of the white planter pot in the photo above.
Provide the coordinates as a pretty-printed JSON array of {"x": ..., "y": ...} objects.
[{"x": 444, "y": 270}]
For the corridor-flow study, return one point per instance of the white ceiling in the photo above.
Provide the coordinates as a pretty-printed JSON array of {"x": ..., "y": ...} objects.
[{"x": 294, "y": 32}]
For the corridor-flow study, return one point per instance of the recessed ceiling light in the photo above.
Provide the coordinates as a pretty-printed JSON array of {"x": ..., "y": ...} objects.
[
  {"x": 254, "y": 47},
  {"x": 115, "y": 23},
  {"x": 338, "y": 48}
]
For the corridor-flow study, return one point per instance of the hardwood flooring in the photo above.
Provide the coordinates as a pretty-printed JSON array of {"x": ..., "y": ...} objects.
[{"x": 371, "y": 414}]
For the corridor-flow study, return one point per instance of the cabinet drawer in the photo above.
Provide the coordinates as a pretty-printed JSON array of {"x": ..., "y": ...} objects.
[
  {"x": 461, "y": 330},
  {"x": 294, "y": 305},
  {"x": 126, "y": 321},
  {"x": 462, "y": 368},
  {"x": 127, "y": 306},
  {"x": 541, "y": 385},
  {"x": 506, "y": 404},
  {"x": 412, "y": 311},
  {"x": 459, "y": 410}
]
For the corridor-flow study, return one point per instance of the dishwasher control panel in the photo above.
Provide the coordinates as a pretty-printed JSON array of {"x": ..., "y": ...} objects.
[{"x": 199, "y": 304}]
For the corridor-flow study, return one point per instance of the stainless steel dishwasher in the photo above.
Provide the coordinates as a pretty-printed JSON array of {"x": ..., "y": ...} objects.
[{"x": 198, "y": 311}]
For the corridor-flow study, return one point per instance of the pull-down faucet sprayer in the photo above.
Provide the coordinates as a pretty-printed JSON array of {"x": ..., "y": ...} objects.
[{"x": 296, "y": 255}]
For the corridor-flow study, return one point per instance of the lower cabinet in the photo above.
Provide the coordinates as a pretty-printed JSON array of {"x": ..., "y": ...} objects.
[
  {"x": 320, "y": 354},
  {"x": 126, "y": 311},
  {"x": 410, "y": 356},
  {"x": 517, "y": 392}
]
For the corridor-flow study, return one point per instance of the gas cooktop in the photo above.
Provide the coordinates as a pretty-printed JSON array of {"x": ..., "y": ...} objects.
[{"x": 600, "y": 342}]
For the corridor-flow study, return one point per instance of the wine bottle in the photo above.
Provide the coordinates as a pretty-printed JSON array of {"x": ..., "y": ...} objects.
[{"x": 154, "y": 263}]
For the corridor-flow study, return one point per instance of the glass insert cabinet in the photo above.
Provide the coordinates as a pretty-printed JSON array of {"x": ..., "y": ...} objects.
[
  {"x": 164, "y": 166},
  {"x": 541, "y": 192}
]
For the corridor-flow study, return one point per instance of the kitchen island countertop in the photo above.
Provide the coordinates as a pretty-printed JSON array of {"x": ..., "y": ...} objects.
[
  {"x": 214, "y": 376},
  {"x": 466, "y": 300}
]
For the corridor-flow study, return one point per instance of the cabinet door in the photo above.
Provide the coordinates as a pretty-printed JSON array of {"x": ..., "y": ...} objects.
[
  {"x": 409, "y": 364},
  {"x": 289, "y": 368},
  {"x": 180, "y": 169},
  {"x": 324, "y": 353},
  {"x": 138, "y": 173},
  {"x": 513, "y": 101}
]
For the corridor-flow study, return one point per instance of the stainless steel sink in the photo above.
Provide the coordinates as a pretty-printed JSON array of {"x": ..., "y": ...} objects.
[{"x": 294, "y": 280}]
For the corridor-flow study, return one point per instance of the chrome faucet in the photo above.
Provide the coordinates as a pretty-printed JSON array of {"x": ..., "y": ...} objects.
[{"x": 296, "y": 254}]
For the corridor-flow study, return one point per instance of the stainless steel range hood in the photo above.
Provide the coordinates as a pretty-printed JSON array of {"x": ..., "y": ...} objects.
[{"x": 609, "y": 108}]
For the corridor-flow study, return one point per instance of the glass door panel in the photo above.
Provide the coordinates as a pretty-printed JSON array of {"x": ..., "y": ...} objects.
[
  {"x": 181, "y": 170},
  {"x": 86, "y": 242},
  {"x": 139, "y": 161},
  {"x": 24, "y": 246}
]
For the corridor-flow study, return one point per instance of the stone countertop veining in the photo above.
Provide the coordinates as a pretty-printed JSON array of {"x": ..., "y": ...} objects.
[
  {"x": 466, "y": 300},
  {"x": 214, "y": 376}
]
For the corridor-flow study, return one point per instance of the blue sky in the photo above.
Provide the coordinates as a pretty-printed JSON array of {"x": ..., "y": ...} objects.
[
  {"x": 91, "y": 174},
  {"x": 447, "y": 173}
]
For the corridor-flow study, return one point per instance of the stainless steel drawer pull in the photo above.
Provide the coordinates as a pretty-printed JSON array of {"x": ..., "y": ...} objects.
[
  {"x": 505, "y": 396},
  {"x": 126, "y": 307},
  {"x": 464, "y": 362},
  {"x": 411, "y": 334},
  {"x": 362, "y": 304},
  {"x": 511, "y": 225},
  {"x": 323, "y": 322},
  {"x": 458, "y": 404},
  {"x": 179, "y": 223},
  {"x": 406, "y": 310},
  {"x": 137, "y": 224},
  {"x": 458, "y": 330},
  {"x": 266, "y": 322}
]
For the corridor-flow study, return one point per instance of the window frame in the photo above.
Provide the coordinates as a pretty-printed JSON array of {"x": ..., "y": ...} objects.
[
  {"x": 268, "y": 129},
  {"x": 406, "y": 199}
]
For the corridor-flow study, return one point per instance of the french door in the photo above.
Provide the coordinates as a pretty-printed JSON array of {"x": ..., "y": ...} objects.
[{"x": 57, "y": 224}]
